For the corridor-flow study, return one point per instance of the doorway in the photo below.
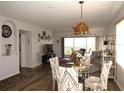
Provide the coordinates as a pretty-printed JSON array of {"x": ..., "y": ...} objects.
[{"x": 24, "y": 49}]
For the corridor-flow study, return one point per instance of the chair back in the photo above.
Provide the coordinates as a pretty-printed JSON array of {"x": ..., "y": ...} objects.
[
  {"x": 104, "y": 73},
  {"x": 68, "y": 79},
  {"x": 54, "y": 62},
  {"x": 87, "y": 61}
]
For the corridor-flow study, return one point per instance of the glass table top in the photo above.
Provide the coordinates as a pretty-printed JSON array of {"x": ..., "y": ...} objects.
[{"x": 89, "y": 68}]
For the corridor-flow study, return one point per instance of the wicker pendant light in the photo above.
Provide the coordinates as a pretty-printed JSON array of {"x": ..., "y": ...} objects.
[{"x": 81, "y": 27}]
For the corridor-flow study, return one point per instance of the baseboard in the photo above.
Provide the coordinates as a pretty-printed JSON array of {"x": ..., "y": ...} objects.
[
  {"x": 121, "y": 88},
  {"x": 14, "y": 74}
]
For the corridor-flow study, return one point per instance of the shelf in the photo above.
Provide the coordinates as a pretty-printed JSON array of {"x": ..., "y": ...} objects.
[
  {"x": 112, "y": 66},
  {"x": 107, "y": 56},
  {"x": 110, "y": 45},
  {"x": 108, "y": 48},
  {"x": 111, "y": 77}
]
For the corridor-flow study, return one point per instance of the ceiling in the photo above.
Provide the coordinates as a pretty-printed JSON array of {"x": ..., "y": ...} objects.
[{"x": 61, "y": 15}]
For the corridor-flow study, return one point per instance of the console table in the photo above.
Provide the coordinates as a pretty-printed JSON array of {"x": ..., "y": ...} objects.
[{"x": 45, "y": 58}]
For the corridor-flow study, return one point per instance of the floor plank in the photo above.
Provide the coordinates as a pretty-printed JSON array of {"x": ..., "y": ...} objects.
[{"x": 37, "y": 79}]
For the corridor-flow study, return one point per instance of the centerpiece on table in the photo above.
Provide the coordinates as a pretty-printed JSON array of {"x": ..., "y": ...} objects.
[{"x": 80, "y": 60}]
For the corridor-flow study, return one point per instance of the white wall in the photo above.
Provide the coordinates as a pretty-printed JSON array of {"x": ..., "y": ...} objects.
[
  {"x": 112, "y": 30},
  {"x": 9, "y": 65},
  {"x": 58, "y": 35},
  {"x": 120, "y": 53},
  {"x": 37, "y": 47}
]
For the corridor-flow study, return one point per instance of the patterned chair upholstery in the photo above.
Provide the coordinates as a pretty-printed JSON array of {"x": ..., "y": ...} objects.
[
  {"x": 96, "y": 83},
  {"x": 54, "y": 63},
  {"x": 87, "y": 62},
  {"x": 68, "y": 79}
]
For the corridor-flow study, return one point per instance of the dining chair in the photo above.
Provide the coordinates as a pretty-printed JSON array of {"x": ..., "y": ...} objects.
[
  {"x": 68, "y": 79},
  {"x": 54, "y": 62},
  {"x": 99, "y": 83},
  {"x": 87, "y": 61}
]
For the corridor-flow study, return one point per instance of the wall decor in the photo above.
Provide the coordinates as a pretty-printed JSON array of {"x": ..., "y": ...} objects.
[
  {"x": 45, "y": 36},
  {"x": 6, "y": 31},
  {"x": 39, "y": 37},
  {"x": 8, "y": 38},
  {"x": 8, "y": 49}
]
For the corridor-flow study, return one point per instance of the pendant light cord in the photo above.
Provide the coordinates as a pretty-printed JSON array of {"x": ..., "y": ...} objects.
[
  {"x": 81, "y": 2},
  {"x": 86, "y": 45},
  {"x": 81, "y": 12}
]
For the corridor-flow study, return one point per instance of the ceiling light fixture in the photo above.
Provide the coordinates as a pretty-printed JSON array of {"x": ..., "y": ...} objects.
[{"x": 81, "y": 27}]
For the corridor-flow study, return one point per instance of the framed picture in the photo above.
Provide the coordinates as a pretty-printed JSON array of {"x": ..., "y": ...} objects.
[
  {"x": 6, "y": 31},
  {"x": 44, "y": 33}
]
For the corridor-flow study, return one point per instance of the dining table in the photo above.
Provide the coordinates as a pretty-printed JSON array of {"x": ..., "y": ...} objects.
[{"x": 84, "y": 72}]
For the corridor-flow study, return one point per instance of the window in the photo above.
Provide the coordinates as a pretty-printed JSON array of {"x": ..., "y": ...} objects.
[
  {"x": 120, "y": 43},
  {"x": 72, "y": 44},
  {"x": 68, "y": 46}
]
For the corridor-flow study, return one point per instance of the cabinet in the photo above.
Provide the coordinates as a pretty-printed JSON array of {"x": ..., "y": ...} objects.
[
  {"x": 108, "y": 48},
  {"x": 45, "y": 58}
]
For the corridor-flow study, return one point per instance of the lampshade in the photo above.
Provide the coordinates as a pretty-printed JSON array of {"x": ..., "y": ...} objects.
[{"x": 81, "y": 27}]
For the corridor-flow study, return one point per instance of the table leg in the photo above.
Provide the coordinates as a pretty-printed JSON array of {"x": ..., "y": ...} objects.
[{"x": 86, "y": 75}]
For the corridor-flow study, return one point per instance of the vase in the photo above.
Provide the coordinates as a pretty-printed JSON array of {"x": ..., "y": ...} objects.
[{"x": 77, "y": 63}]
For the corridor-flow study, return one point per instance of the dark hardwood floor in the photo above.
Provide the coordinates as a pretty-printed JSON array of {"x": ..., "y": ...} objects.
[{"x": 37, "y": 79}]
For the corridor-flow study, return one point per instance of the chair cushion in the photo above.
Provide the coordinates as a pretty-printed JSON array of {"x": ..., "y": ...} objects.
[{"x": 90, "y": 80}]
